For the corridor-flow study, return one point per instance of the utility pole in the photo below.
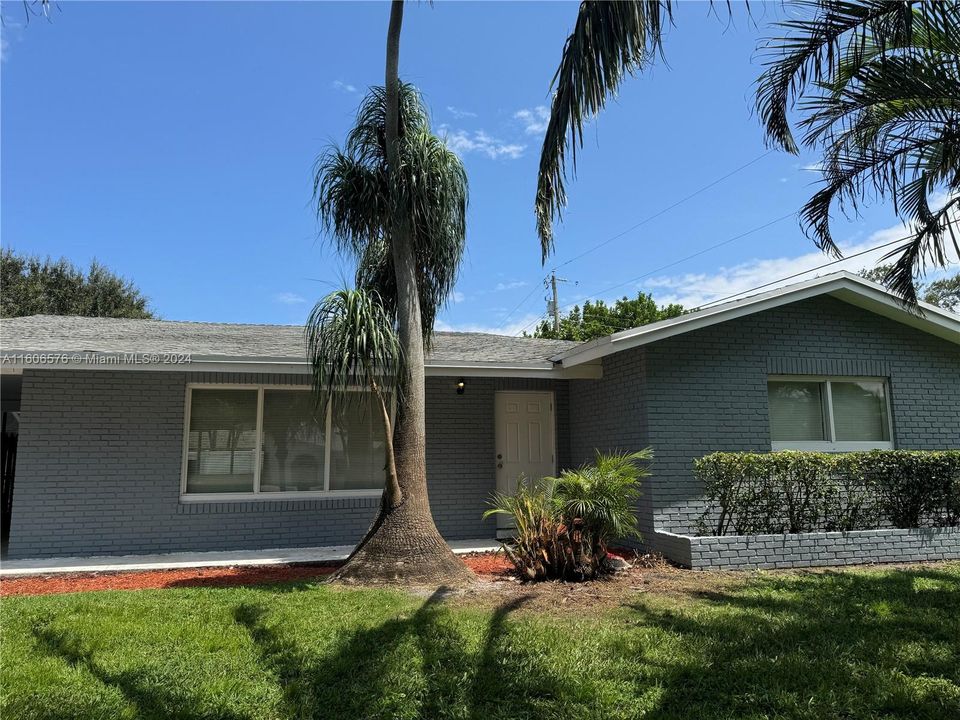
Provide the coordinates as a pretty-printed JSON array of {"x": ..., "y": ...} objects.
[
  {"x": 553, "y": 302},
  {"x": 556, "y": 304}
]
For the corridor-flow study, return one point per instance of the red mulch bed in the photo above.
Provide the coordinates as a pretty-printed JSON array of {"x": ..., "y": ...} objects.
[
  {"x": 143, "y": 579},
  {"x": 486, "y": 565}
]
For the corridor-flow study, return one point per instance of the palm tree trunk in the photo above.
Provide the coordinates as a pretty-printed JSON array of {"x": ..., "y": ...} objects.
[
  {"x": 403, "y": 544},
  {"x": 393, "y": 494}
]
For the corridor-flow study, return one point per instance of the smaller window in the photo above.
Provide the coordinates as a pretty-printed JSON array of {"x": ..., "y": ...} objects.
[
  {"x": 860, "y": 411},
  {"x": 831, "y": 414},
  {"x": 222, "y": 441},
  {"x": 796, "y": 411}
]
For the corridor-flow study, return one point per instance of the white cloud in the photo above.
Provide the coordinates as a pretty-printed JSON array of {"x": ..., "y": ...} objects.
[
  {"x": 289, "y": 298},
  {"x": 459, "y": 113},
  {"x": 457, "y": 297},
  {"x": 463, "y": 142},
  {"x": 695, "y": 289},
  {"x": 344, "y": 87},
  {"x": 511, "y": 285},
  {"x": 534, "y": 120},
  {"x": 813, "y": 167},
  {"x": 515, "y": 327}
]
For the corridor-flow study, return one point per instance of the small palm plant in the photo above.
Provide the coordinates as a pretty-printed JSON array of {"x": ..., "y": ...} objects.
[
  {"x": 602, "y": 497},
  {"x": 537, "y": 546},
  {"x": 563, "y": 526}
]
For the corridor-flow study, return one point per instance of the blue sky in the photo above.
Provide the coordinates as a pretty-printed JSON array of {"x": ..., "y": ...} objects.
[{"x": 174, "y": 142}]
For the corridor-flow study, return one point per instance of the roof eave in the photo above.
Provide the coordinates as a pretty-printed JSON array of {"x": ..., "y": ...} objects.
[{"x": 88, "y": 360}]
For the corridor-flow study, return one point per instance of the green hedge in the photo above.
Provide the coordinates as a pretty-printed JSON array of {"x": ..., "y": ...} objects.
[{"x": 797, "y": 492}]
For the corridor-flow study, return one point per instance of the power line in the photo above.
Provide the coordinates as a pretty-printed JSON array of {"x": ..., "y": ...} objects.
[
  {"x": 788, "y": 277},
  {"x": 688, "y": 257},
  {"x": 804, "y": 272},
  {"x": 664, "y": 210},
  {"x": 699, "y": 253},
  {"x": 630, "y": 229},
  {"x": 526, "y": 297}
]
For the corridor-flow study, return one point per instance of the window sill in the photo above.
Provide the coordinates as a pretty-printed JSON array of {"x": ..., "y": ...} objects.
[
  {"x": 244, "y": 503},
  {"x": 194, "y": 498},
  {"x": 835, "y": 447}
]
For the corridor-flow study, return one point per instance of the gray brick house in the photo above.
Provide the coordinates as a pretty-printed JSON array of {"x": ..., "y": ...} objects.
[{"x": 141, "y": 436}]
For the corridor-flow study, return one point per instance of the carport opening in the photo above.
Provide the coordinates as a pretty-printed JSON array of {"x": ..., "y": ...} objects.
[{"x": 10, "y": 420}]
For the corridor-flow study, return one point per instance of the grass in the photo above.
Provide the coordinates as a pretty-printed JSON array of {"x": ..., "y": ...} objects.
[{"x": 852, "y": 644}]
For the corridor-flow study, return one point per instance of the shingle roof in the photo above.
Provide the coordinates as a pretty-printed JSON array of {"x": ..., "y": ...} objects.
[{"x": 51, "y": 333}]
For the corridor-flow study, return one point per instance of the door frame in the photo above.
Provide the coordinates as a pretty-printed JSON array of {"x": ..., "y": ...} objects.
[{"x": 497, "y": 419}]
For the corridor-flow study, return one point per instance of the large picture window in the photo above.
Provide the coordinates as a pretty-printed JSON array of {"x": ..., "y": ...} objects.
[
  {"x": 268, "y": 442},
  {"x": 829, "y": 413}
]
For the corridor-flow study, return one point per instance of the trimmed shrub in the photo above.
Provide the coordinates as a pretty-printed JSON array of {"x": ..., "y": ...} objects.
[
  {"x": 913, "y": 487},
  {"x": 798, "y": 492}
]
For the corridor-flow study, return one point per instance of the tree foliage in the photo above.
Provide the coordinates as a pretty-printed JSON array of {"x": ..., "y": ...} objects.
[
  {"x": 394, "y": 199},
  {"x": 597, "y": 319},
  {"x": 877, "y": 88},
  {"x": 877, "y": 85},
  {"x": 353, "y": 195},
  {"x": 944, "y": 293},
  {"x": 32, "y": 286}
]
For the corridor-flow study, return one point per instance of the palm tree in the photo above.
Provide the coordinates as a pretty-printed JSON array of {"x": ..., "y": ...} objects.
[
  {"x": 351, "y": 341},
  {"x": 880, "y": 82},
  {"x": 394, "y": 198},
  {"x": 878, "y": 85}
]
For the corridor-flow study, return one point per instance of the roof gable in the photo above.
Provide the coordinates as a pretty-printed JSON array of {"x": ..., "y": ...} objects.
[{"x": 844, "y": 286}]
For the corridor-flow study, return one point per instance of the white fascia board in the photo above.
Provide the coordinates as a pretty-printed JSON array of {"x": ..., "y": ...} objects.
[
  {"x": 552, "y": 371},
  {"x": 283, "y": 366},
  {"x": 844, "y": 286}
]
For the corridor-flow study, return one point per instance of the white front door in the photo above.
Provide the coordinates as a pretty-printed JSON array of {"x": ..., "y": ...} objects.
[{"x": 526, "y": 445}]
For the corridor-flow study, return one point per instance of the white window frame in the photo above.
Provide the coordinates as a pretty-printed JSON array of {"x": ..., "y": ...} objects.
[
  {"x": 186, "y": 497},
  {"x": 834, "y": 445}
]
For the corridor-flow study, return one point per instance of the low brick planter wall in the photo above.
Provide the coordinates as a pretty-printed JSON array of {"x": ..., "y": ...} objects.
[{"x": 821, "y": 549}]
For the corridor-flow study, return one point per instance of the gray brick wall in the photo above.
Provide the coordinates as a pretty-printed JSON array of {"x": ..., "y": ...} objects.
[
  {"x": 706, "y": 390},
  {"x": 821, "y": 549},
  {"x": 99, "y": 458},
  {"x": 461, "y": 451},
  {"x": 610, "y": 415}
]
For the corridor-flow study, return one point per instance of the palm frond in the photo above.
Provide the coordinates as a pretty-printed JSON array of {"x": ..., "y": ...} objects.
[
  {"x": 603, "y": 495},
  {"x": 835, "y": 33},
  {"x": 609, "y": 41},
  {"x": 351, "y": 341}
]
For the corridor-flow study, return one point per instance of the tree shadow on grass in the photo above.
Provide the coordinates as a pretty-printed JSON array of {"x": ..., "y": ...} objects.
[
  {"x": 817, "y": 645},
  {"x": 152, "y": 700},
  {"x": 278, "y": 578},
  {"x": 420, "y": 665}
]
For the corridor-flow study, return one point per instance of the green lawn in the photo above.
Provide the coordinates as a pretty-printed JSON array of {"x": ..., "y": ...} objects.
[{"x": 826, "y": 645}]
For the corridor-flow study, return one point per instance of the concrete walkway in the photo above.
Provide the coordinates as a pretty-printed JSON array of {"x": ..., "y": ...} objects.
[{"x": 235, "y": 558}]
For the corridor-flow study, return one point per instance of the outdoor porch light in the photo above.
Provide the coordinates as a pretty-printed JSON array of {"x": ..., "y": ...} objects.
[{"x": 461, "y": 386}]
